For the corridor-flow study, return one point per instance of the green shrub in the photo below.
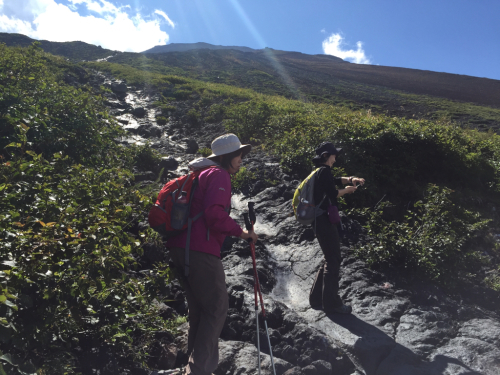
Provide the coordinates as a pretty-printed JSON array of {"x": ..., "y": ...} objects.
[
  {"x": 182, "y": 94},
  {"x": 242, "y": 178},
  {"x": 44, "y": 114},
  {"x": 430, "y": 241},
  {"x": 64, "y": 276},
  {"x": 66, "y": 203},
  {"x": 493, "y": 281},
  {"x": 145, "y": 157},
  {"x": 160, "y": 120},
  {"x": 205, "y": 151},
  {"x": 166, "y": 110},
  {"x": 248, "y": 119},
  {"x": 215, "y": 113},
  {"x": 193, "y": 116}
]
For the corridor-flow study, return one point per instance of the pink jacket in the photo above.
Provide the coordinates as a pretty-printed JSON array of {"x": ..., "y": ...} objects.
[{"x": 213, "y": 196}]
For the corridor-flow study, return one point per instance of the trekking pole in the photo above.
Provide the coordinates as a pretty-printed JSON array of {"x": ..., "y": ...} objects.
[{"x": 250, "y": 220}]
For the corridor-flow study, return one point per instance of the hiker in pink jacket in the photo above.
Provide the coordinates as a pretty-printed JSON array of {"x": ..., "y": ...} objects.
[{"x": 205, "y": 284}]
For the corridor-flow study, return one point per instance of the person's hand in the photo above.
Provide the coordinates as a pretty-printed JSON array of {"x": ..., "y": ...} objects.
[
  {"x": 350, "y": 189},
  {"x": 249, "y": 234},
  {"x": 358, "y": 181}
]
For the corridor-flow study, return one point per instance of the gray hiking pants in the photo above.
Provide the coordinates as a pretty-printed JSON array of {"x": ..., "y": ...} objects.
[
  {"x": 325, "y": 289},
  {"x": 208, "y": 302}
]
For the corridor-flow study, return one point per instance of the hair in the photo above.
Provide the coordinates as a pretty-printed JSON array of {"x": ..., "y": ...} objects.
[
  {"x": 322, "y": 160},
  {"x": 225, "y": 160}
]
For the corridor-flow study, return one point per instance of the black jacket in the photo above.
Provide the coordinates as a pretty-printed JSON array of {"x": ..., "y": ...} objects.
[{"x": 325, "y": 184}]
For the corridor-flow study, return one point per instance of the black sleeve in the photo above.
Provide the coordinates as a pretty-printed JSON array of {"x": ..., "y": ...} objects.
[{"x": 325, "y": 184}]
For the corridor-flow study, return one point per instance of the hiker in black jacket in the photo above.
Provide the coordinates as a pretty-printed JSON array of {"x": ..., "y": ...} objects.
[{"x": 324, "y": 292}]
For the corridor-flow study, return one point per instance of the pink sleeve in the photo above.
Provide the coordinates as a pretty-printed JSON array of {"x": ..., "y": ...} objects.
[{"x": 217, "y": 198}]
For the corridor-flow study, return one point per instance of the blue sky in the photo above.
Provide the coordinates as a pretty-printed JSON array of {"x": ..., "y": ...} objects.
[{"x": 454, "y": 36}]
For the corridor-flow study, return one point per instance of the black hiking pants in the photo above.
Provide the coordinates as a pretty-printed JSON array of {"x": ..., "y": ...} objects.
[{"x": 325, "y": 289}]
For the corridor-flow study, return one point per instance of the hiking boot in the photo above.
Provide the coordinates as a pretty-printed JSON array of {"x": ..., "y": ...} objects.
[{"x": 342, "y": 309}]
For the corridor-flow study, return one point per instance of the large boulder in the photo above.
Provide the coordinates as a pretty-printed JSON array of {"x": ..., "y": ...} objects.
[
  {"x": 169, "y": 163},
  {"x": 139, "y": 112},
  {"x": 119, "y": 88},
  {"x": 146, "y": 130},
  {"x": 192, "y": 146}
]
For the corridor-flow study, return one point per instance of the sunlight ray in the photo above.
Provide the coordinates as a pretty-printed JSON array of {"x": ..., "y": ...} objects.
[{"x": 267, "y": 52}]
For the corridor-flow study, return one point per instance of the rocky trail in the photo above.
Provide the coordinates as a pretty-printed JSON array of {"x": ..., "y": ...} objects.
[{"x": 398, "y": 327}]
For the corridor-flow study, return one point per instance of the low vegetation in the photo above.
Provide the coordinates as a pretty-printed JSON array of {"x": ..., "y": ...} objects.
[{"x": 68, "y": 293}]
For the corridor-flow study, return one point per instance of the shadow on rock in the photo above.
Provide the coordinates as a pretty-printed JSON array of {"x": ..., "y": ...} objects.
[{"x": 375, "y": 353}]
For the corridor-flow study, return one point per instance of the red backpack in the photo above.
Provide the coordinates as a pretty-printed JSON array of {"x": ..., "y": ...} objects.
[{"x": 169, "y": 216}]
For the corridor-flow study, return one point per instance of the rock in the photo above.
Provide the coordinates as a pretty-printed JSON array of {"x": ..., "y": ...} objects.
[
  {"x": 192, "y": 146},
  {"x": 169, "y": 163},
  {"x": 146, "y": 130},
  {"x": 139, "y": 112},
  {"x": 310, "y": 370},
  {"x": 258, "y": 186},
  {"x": 166, "y": 312},
  {"x": 241, "y": 358},
  {"x": 119, "y": 88},
  {"x": 420, "y": 330},
  {"x": 322, "y": 367},
  {"x": 294, "y": 371}
]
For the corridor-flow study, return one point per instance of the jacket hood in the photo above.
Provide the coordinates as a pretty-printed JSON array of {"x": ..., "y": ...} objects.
[{"x": 202, "y": 163}]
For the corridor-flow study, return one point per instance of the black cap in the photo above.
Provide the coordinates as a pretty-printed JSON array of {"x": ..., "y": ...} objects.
[{"x": 326, "y": 148}]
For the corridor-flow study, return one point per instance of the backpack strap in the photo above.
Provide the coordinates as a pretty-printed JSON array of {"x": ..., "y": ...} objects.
[
  {"x": 315, "y": 216},
  {"x": 188, "y": 241},
  {"x": 320, "y": 203}
]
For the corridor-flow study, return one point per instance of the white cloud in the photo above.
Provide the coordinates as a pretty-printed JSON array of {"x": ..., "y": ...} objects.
[
  {"x": 99, "y": 6},
  {"x": 333, "y": 46},
  {"x": 108, "y": 26},
  {"x": 9, "y": 25},
  {"x": 164, "y": 15},
  {"x": 323, "y": 31}
]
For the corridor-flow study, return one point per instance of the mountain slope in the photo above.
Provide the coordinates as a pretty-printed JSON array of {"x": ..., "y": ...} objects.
[
  {"x": 182, "y": 47},
  {"x": 400, "y": 92},
  {"x": 329, "y": 70},
  {"x": 76, "y": 51}
]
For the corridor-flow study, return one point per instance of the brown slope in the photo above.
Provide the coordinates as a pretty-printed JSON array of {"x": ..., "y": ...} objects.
[{"x": 452, "y": 86}]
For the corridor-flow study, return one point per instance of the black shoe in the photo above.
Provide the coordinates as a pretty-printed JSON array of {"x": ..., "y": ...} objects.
[{"x": 342, "y": 309}]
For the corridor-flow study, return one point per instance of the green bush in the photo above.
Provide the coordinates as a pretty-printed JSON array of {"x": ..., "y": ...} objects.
[
  {"x": 193, "y": 116},
  {"x": 183, "y": 94},
  {"x": 66, "y": 202},
  {"x": 205, "y": 151},
  {"x": 431, "y": 241},
  {"x": 215, "y": 113},
  {"x": 247, "y": 119},
  {"x": 160, "y": 120},
  {"x": 166, "y": 110},
  {"x": 242, "y": 178},
  {"x": 39, "y": 112},
  {"x": 145, "y": 157}
]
